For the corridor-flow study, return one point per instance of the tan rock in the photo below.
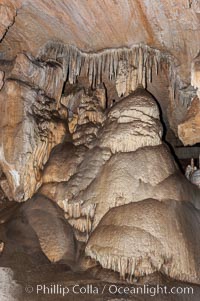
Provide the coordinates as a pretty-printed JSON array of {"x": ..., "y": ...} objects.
[
  {"x": 7, "y": 16},
  {"x": 129, "y": 177},
  {"x": 27, "y": 137},
  {"x": 41, "y": 229},
  {"x": 86, "y": 134},
  {"x": 6, "y": 189},
  {"x": 127, "y": 79},
  {"x": 140, "y": 238},
  {"x": 189, "y": 129},
  {"x": 153, "y": 25},
  {"x": 87, "y": 171},
  {"x": 1, "y": 79},
  {"x": 132, "y": 123},
  {"x": 126, "y": 176},
  {"x": 195, "y": 74},
  {"x": 55, "y": 235},
  {"x": 63, "y": 163},
  {"x": 47, "y": 77}
]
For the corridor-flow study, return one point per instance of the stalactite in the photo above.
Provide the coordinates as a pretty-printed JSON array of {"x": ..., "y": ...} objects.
[
  {"x": 127, "y": 267},
  {"x": 142, "y": 57}
]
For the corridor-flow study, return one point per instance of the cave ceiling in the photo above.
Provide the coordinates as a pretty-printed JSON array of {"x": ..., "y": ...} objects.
[
  {"x": 169, "y": 29},
  {"x": 92, "y": 25}
]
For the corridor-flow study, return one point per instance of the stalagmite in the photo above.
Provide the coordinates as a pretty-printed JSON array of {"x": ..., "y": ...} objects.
[
  {"x": 128, "y": 240},
  {"x": 97, "y": 102},
  {"x": 131, "y": 172},
  {"x": 138, "y": 115}
]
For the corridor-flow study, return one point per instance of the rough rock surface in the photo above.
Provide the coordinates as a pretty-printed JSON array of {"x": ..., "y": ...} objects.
[
  {"x": 31, "y": 124},
  {"x": 195, "y": 74},
  {"x": 7, "y": 14},
  {"x": 66, "y": 131},
  {"x": 9, "y": 288},
  {"x": 153, "y": 25},
  {"x": 144, "y": 237},
  {"x": 46, "y": 77},
  {"x": 132, "y": 124},
  {"x": 188, "y": 130},
  {"x": 1, "y": 79},
  {"x": 54, "y": 27},
  {"x": 38, "y": 227},
  {"x": 112, "y": 173},
  {"x": 63, "y": 162},
  {"x": 93, "y": 161}
]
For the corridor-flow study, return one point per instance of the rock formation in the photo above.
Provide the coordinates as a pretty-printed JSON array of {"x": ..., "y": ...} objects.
[
  {"x": 95, "y": 96},
  {"x": 195, "y": 74},
  {"x": 127, "y": 163},
  {"x": 189, "y": 129},
  {"x": 143, "y": 237},
  {"x": 140, "y": 238},
  {"x": 9, "y": 288},
  {"x": 7, "y": 14},
  {"x": 39, "y": 227},
  {"x": 31, "y": 125}
]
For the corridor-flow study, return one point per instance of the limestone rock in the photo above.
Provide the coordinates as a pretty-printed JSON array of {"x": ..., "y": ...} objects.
[
  {"x": 90, "y": 119},
  {"x": 72, "y": 99},
  {"x": 128, "y": 177},
  {"x": 87, "y": 171},
  {"x": 1, "y": 79},
  {"x": 149, "y": 172},
  {"x": 153, "y": 26},
  {"x": 47, "y": 77},
  {"x": 39, "y": 226},
  {"x": 188, "y": 130},
  {"x": 132, "y": 123},
  {"x": 127, "y": 79},
  {"x": 6, "y": 189},
  {"x": 195, "y": 74},
  {"x": 145, "y": 171},
  {"x": 140, "y": 238},
  {"x": 54, "y": 233},
  {"x": 7, "y": 16},
  {"x": 140, "y": 101},
  {"x": 85, "y": 134},
  {"x": 195, "y": 5},
  {"x": 28, "y": 133},
  {"x": 63, "y": 162},
  {"x": 9, "y": 288}
]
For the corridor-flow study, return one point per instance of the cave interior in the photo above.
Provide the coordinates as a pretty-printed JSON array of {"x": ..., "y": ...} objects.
[{"x": 99, "y": 148}]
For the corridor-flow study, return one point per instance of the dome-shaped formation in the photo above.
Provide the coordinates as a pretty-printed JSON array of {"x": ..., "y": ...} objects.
[
  {"x": 148, "y": 236},
  {"x": 132, "y": 123},
  {"x": 138, "y": 166},
  {"x": 129, "y": 198}
]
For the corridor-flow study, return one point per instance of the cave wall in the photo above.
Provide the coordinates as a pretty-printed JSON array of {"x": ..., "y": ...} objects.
[
  {"x": 30, "y": 122},
  {"x": 49, "y": 46}
]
